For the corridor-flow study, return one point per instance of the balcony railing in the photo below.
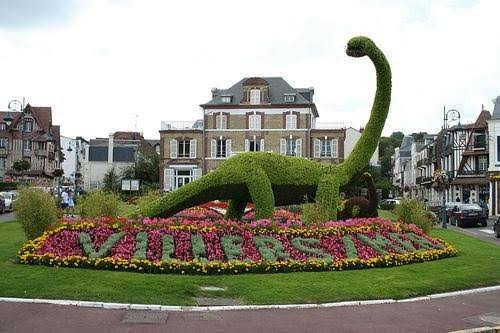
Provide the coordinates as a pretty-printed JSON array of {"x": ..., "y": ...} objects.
[
  {"x": 473, "y": 173},
  {"x": 426, "y": 179},
  {"x": 3, "y": 151},
  {"x": 181, "y": 125},
  {"x": 329, "y": 125},
  {"x": 40, "y": 152}
]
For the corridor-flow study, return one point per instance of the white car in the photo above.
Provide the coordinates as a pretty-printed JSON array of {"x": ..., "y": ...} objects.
[{"x": 10, "y": 198}]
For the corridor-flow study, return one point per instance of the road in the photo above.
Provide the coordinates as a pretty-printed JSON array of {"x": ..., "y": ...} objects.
[
  {"x": 435, "y": 315},
  {"x": 6, "y": 217},
  {"x": 484, "y": 233}
]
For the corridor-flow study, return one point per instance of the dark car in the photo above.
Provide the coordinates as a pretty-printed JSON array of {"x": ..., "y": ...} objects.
[
  {"x": 496, "y": 228},
  {"x": 2, "y": 205},
  {"x": 468, "y": 215}
]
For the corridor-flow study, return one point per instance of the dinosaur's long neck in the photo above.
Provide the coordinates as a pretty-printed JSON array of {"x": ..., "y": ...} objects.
[{"x": 367, "y": 144}]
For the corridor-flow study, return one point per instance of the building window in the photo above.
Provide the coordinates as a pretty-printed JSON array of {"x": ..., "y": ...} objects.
[
  {"x": 498, "y": 148},
  {"x": 291, "y": 147},
  {"x": 255, "y": 96},
  {"x": 28, "y": 126},
  {"x": 254, "y": 121},
  {"x": 4, "y": 143},
  {"x": 254, "y": 145},
  {"x": 221, "y": 122},
  {"x": 325, "y": 148},
  {"x": 221, "y": 150},
  {"x": 226, "y": 99},
  {"x": 291, "y": 121},
  {"x": 289, "y": 98},
  {"x": 480, "y": 140},
  {"x": 3, "y": 162},
  {"x": 157, "y": 149},
  {"x": 482, "y": 163},
  {"x": 3, "y": 126},
  {"x": 26, "y": 144},
  {"x": 183, "y": 148}
]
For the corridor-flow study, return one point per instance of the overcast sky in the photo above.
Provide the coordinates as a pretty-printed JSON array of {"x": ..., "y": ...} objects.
[{"x": 100, "y": 63}]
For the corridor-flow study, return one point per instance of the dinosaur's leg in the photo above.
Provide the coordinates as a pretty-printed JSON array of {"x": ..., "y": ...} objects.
[
  {"x": 236, "y": 208},
  {"x": 327, "y": 195},
  {"x": 261, "y": 193}
]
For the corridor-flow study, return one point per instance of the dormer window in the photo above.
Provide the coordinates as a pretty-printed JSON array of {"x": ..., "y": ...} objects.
[
  {"x": 255, "y": 96},
  {"x": 289, "y": 98},
  {"x": 226, "y": 99}
]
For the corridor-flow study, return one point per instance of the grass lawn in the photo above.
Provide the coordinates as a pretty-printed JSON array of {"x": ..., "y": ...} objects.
[
  {"x": 387, "y": 214},
  {"x": 478, "y": 264}
]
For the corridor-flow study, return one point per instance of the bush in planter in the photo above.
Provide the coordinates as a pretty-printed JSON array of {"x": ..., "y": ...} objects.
[
  {"x": 98, "y": 203},
  {"x": 412, "y": 211},
  {"x": 35, "y": 210}
]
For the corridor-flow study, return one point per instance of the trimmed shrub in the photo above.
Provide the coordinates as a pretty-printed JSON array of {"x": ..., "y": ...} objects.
[
  {"x": 98, "y": 203},
  {"x": 267, "y": 179},
  {"x": 412, "y": 211},
  {"x": 313, "y": 214},
  {"x": 35, "y": 210}
]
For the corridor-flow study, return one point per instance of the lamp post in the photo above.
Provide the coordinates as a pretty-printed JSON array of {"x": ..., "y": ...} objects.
[
  {"x": 17, "y": 106},
  {"x": 450, "y": 115},
  {"x": 76, "y": 161}
]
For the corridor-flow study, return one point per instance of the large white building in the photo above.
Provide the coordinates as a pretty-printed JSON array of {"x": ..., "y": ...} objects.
[{"x": 494, "y": 162}]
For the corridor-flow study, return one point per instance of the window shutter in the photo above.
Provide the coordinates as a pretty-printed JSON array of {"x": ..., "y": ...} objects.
[
  {"x": 335, "y": 150},
  {"x": 247, "y": 145},
  {"x": 229, "y": 151},
  {"x": 262, "y": 145},
  {"x": 213, "y": 148},
  {"x": 168, "y": 179},
  {"x": 317, "y": 148},
  {"x": 283, "y": 147},
  {"x": 196, "y": 174},
  {"x": 192, "y": 149},
  {"x": 173, "y": 148},
  {"x": 298, "y": 147}
]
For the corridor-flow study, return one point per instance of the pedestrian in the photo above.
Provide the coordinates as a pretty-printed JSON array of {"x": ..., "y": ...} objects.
[
  {"x": 64, "y": 199},
  {"x": 71, "y": 203}
]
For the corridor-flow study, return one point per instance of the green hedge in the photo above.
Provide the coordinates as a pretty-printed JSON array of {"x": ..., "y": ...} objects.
[
  {"x": 269, "y": 179},
  {"x": 8, "y": 186}
]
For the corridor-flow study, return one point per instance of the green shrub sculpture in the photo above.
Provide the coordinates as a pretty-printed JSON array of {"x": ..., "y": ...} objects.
[
  {"x": 361, "y": 206},
  {"x": 268, "y": 179}
]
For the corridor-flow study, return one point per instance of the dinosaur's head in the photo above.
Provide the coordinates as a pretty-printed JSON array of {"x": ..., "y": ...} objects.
[{"x": 358, "y": 46}]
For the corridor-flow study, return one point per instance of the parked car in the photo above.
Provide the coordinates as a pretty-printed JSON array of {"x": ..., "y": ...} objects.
[
  {"x": 449, "y": 209},
  {"x": 496, "y": 228},
  {"x": 9, "y": 199},
  {"x": 389, "y": 204},
  {"x": 468, "y": 214}
]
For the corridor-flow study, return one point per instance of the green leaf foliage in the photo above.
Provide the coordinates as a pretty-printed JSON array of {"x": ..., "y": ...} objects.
[
  {"x": 270, "y": 248},
  {"x": 141, "y": 247},
  {"x": 168, "y": 247},
  {"x": 198, "y": 248},
  {"x": 88, "y": 247},
  {"x": 231, "y": 245},
  {"x": 306, "y": 245},
  {"x": 35, "y": 210},
  {"x": 98, "y": 203}
]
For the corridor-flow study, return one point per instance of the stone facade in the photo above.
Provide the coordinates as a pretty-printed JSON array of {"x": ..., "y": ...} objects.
[{"x": 256, "y": 114}]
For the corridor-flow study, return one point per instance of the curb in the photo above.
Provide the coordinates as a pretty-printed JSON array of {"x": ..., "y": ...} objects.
[{"x": 174, "y": 308}]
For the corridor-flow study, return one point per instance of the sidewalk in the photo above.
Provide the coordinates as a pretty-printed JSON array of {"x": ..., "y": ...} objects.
[{"x": 435, "y": 315}]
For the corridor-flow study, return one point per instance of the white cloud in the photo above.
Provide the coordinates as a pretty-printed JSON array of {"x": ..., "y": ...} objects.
[{"x": 159, "y": 59}]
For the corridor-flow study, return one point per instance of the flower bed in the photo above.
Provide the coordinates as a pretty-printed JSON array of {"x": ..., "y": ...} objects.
[{"x": 225, "y": 246}]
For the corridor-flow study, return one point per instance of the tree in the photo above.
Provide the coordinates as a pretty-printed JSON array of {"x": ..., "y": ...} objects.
[
  {"x": 112, "y": 181},
  {"x": 21, "y": 165},
  {"x": 58, "y": 172},
  {"x": 146, "y": 169}
]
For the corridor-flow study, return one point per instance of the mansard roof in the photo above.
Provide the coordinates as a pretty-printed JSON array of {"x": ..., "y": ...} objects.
[{"x": 278, "y": 88}]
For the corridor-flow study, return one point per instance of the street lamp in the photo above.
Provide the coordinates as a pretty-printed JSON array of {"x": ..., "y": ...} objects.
[
  {"x": 17, "y": 106},
  {"x": 76, "y": 142},
  {"x": 450, "y": 115}
]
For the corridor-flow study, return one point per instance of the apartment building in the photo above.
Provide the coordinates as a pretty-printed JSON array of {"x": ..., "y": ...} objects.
[
  {"x": 255, "y": 114},
  {"x": 30, "y": 135},
  {"x": 493, "y": 142}
]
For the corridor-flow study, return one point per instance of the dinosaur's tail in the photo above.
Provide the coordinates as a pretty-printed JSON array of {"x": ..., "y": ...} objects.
[
  {"x": 189, "y": 195},
  {"x": 367, "y": 144}
]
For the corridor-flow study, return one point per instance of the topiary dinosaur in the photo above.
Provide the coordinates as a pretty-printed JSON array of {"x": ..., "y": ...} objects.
[{"x": 268, "y": 179}]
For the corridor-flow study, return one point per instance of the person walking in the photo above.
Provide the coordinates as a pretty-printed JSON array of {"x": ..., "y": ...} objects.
[
  {"x": 64, "y": 200},
  {"x": 71, "y": 203}
]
